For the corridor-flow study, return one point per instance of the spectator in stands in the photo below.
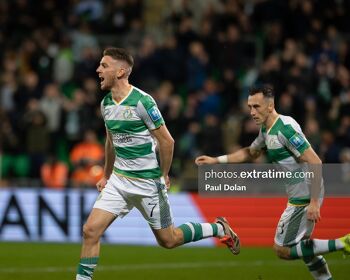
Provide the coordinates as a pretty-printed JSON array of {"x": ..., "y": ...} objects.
[
  {"x": 87, "y": 157},
  {"x": 54, "y": 173},
  {"x": 51, "y": 104},
  {"x": 197, "y": 66},
  {"x": 89, "y": 150},
  {"x": 211, "y": 137},
  {"x": 37, "y": 136},
  {"x": 78, "y": 117}
]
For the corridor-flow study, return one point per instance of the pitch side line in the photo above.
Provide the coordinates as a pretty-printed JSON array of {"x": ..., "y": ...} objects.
[{"x": 152, "y": 266}]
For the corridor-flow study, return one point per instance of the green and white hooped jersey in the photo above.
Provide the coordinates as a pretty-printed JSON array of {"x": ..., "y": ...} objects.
[
  {"x": 284, "y": 144},
  {"x": 130, "y": 123}
]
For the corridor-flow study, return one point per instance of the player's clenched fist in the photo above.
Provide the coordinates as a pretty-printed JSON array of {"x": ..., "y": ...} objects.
[{"x": 100, "y": 185}]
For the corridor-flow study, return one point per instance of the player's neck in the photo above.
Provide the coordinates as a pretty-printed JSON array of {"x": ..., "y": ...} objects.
[
  {"x": 121, "y": 90},
  {"x": 271, "y": 120}
]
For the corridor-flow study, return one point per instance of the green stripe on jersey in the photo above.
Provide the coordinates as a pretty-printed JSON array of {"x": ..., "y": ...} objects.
[
  {"x": 280, "y": 127},
  {"x": 277, "y": 127},
  {"x": 118, "y": 126},
  {"x": 147, "y": 102},
  {"x": 288, "y": 131},
  {"x": 107, "y": 100},
  {"x": 145, "y": 174},
  {"x": 276, "y": 155},
  {"x": 133, "y": 98},
  {"x": 133, "y": 152}
]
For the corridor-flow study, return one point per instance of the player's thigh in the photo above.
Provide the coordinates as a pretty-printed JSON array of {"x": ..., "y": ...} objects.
[
  {"x": 98, "y": 221},
  {"x": 154, "y": 204},
  {"x": 113, "y": 198},
  {"x": 293, "y": 226}
]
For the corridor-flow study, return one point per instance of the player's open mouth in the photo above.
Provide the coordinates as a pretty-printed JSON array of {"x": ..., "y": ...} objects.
[{"x": 102, "y": 80}]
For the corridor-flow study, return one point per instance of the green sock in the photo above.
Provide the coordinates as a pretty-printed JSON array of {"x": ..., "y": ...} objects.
[
  {"x": 86, "y": 268},
  {"x": 318, "y": 267},
  {"x": 197, "y": 231},
  {"x": 313, "y": 247}
]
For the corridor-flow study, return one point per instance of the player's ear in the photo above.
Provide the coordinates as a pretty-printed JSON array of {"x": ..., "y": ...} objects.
[
  {"x": 271, "y": 106},
  {"x": 120, "y": 73}
]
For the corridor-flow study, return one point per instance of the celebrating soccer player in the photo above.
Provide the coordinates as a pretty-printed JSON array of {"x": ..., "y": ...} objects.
[{"x": 132, "y": 175}]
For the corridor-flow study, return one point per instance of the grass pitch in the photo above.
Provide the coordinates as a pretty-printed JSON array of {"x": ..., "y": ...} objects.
[{"x": 58, "y": 262}]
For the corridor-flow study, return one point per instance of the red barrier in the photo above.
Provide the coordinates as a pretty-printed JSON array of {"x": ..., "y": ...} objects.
[{"x": 255, "y": 219}]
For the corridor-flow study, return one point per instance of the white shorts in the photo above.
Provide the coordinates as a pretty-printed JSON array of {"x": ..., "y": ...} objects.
[
  {"x": 149, "y": 196},
  {"x": 293, "y": 226}
]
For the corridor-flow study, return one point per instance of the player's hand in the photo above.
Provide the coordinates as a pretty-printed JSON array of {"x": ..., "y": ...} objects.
[
  {"x": 167, "y": 181},
  {"x": 313, "y": 212},
  {"x": 206, "y": 160},
  {"x": 100, "y": 185}
]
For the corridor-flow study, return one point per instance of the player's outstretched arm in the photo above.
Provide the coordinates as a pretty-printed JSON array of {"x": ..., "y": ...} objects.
[
  {"x": 242, "y": 155},
  {"x": 206, "y": 160}
]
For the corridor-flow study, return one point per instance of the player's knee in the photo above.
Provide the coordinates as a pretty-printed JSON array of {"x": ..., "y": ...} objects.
[
  {"x": 282, "y": 252},
  {"x": 167, "y": 244},
  {"x": 90, "y": 232}
]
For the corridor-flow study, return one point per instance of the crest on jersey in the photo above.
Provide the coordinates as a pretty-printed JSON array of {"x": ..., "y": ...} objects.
[
  {"x": 297, "y": 140},
  {"x": 127, "y": 114},
  {"x": 154, "y": 113},
  {"x": 272, "y": 143}
]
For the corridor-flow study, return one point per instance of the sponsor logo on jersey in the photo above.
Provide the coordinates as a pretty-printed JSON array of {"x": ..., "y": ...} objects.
[
  {"x": 154, "y": 113},
  {"x": 297, "y": 140},
  {"x": 122, "y": 138}
]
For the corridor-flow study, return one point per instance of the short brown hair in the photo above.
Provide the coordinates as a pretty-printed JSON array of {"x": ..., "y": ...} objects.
[
  {"x": 266, "y": 90},
  {"x": 120, "y": 54}
]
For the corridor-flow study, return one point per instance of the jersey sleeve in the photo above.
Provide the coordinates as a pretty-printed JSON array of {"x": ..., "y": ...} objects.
[
  {"x": 259, "y": 142},
  {"x": 149, "y": 112},
  {"x": 293, "y": 139}
]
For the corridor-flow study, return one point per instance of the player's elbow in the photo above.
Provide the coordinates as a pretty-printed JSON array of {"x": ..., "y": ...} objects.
[
  {"x": 251, "y": 154},
  {"x": 169, "y": 142},
  {"x": 315, "y": 161}
]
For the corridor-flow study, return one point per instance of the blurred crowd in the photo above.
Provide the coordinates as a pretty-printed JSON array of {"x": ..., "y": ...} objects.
[{"x": 196, "y": 58}]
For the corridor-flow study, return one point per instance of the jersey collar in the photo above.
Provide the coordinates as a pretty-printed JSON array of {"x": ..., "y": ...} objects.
[
  {"x": 268, "y": 131},
  {"x": 126, "y": 96}
]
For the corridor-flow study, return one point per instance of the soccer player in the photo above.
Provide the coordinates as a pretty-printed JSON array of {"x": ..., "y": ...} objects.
[
  {"x": 132, "y": 175},
  {"x": 285, "y": 144}
]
